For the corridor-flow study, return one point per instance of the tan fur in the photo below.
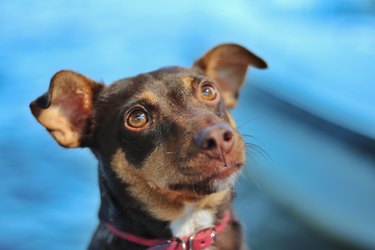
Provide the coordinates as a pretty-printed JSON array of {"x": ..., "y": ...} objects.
[
  {"x": 71, "y": 96},
  {"x": 59, "y": 126},
  {"x": 162, "y": 207},
  {"x": 231, "y": 120},
  {"x": 212, "y": 201},
  {"x": 188, "y": 80},
  {"x": 149, "y": 97},
  {"x": 163, "y": 204}
]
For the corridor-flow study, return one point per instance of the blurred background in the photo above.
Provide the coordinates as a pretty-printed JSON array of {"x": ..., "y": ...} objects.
[{"x": 310, "y": 179}]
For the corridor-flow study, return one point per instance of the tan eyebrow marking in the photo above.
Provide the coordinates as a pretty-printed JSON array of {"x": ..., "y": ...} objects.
[
  {"x": 149, "y": 97},
  {"x": 188, "y": 81}
]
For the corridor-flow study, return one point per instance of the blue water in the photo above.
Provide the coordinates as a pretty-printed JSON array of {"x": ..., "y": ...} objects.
[{"x": 321, "y": 58}]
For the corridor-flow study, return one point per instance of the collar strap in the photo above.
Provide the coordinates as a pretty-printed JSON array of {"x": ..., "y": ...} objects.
[{"x": 199, "y": 240}]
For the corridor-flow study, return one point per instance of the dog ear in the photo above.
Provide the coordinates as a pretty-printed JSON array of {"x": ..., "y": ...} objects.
[
  {"x": 66, "y": 109},
  {"x": 227, "y": 65}
]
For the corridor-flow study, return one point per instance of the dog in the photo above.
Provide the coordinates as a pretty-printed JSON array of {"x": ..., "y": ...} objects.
[{"x": 168, "y": 149}]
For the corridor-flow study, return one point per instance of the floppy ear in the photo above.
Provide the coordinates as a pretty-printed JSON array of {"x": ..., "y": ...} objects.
[
  {"x": 66, "y": 109},
  {"x": 227, "y": 65}
]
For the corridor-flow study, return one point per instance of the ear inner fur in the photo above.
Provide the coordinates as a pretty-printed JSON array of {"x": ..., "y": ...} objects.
[
  {"x": 65, "y": 110},
  {"x": 227, "y": 64}
]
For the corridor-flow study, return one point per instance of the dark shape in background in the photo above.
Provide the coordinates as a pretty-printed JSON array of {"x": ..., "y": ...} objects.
[{"x": 312, "y": 112}]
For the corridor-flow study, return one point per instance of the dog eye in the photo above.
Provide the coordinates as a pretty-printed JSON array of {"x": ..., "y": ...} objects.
[
  {"x": 208, "y": 92},
  {"x": 137, "y": 119}
]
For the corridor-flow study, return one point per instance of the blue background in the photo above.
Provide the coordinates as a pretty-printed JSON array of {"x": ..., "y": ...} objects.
[{"x": 312, "y": 112}]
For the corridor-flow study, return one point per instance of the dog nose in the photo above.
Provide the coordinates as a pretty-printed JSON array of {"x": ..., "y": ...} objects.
[{"x": 215, "y": 139}]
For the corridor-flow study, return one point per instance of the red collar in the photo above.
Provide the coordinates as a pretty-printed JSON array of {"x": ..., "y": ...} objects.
[{"x": 201, "y": 239}]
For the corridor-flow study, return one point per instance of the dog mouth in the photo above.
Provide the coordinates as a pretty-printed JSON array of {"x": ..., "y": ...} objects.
[{"x": 207, "y": 185}]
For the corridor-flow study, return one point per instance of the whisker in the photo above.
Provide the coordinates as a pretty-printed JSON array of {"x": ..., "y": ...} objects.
[
  {"x": 257, "y": 149},
  {"x": 246, "y": 122},
  {"x": 252, "y": 137},
  {"x": 172, "y": 176},
  {"x": 103, "y": 177},
  {"x": 107, "y": 174}
]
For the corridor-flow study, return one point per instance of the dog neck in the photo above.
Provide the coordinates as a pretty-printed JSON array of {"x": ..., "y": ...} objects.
[{"x": 126, "y": 213}]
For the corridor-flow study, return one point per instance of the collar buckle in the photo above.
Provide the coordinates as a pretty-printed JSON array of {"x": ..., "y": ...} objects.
[{"x": 182, "y": 242}]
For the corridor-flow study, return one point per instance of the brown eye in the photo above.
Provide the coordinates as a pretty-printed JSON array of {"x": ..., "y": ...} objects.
[
  {"x": 208, "y": 92},
  {"x": 137, "y": 119}
]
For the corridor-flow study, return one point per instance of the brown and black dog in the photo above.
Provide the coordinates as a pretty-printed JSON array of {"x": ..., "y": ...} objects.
[{"x": 168, "y": 149}]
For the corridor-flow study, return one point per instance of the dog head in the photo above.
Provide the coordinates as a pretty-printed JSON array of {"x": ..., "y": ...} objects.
[{"x": 168, "y": 130}]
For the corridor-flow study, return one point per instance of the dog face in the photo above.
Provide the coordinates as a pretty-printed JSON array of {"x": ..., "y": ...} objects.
[
  {"x": 167, "y": 130},
  {"x": 171, "y": 127}
]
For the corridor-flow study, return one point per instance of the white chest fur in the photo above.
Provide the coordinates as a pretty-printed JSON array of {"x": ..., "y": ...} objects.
[{"x": 191, "y": 221}]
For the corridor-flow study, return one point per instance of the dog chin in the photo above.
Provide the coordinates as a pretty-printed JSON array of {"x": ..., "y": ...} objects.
[
  {"x": 221, "y": 185},
  {"x": 206, "y": 187}
]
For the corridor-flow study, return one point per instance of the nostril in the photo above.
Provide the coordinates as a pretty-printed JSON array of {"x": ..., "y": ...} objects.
[
  {"x": 227, "y": 136},
  {"x": 210, "y": 144},
  {"x": 215, "y": 139}
]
